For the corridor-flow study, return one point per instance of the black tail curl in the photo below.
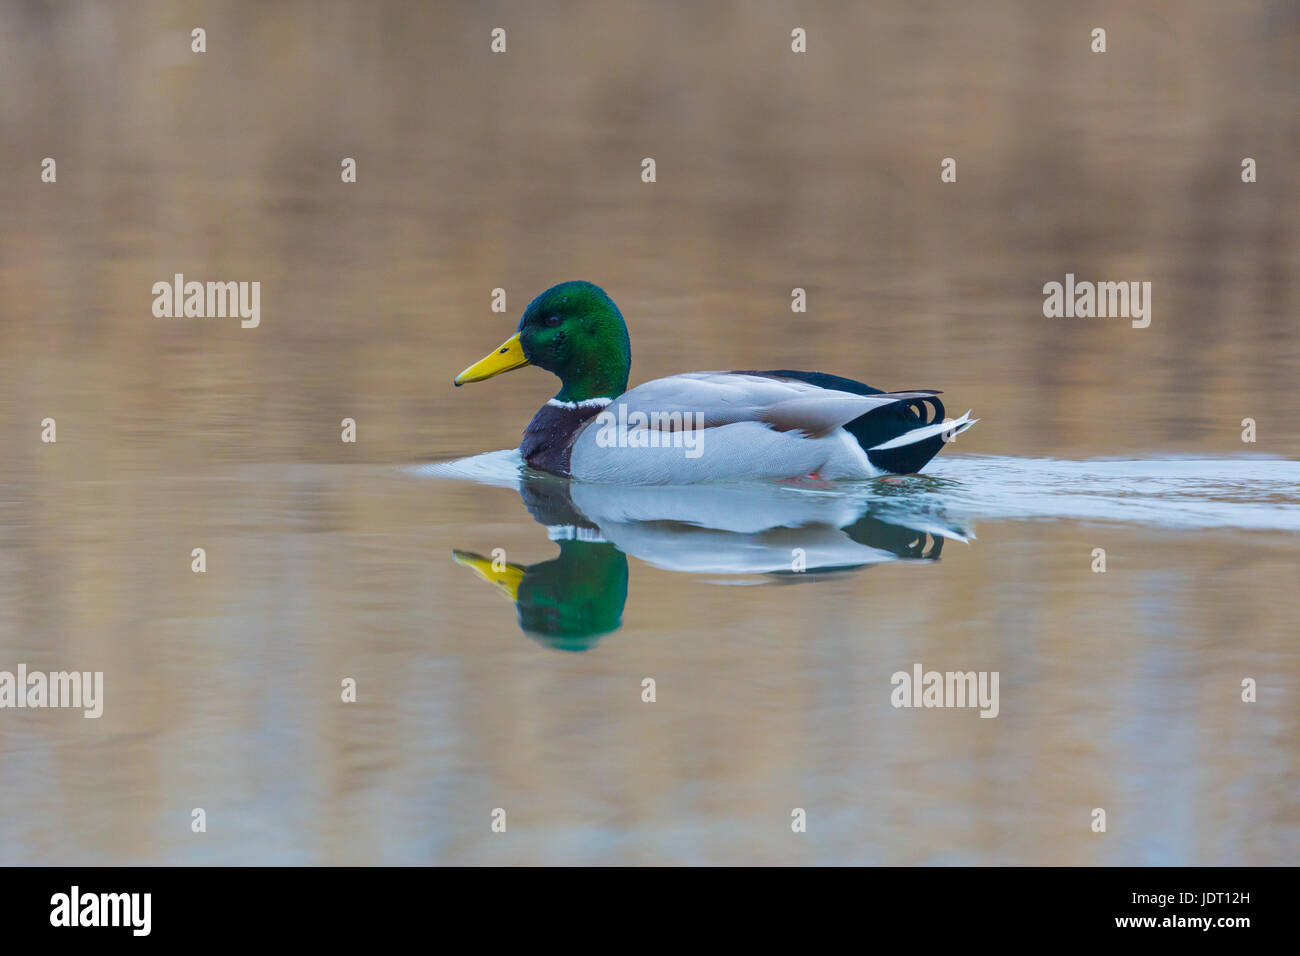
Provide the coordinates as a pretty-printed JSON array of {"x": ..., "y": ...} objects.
[{"x": 883, "y": 424}]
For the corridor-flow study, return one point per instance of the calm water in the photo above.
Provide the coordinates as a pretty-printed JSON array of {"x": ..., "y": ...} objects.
[{"x": 327, "y": 560}]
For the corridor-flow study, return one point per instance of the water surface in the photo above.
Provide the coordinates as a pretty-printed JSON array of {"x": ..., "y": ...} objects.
[{"x": 328, "y": 560}]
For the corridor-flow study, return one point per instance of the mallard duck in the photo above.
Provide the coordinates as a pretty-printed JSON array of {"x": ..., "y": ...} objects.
[{"x": 700, "y": 426}]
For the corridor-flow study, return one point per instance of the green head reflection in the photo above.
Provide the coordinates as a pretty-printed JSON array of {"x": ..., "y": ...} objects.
[
  {"x": 567, "y": 603},
  {"x": 762, "y": 531}
]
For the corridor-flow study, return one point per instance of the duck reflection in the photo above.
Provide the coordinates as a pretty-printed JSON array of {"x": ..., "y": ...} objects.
[{"x": 781, "y": 532}]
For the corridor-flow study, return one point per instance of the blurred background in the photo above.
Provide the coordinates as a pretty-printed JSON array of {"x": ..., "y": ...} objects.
[{"x": 775, "y": 170}]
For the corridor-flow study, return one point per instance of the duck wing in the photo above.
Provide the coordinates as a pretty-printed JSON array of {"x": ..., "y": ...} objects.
[{"x": 725, "y": 398}]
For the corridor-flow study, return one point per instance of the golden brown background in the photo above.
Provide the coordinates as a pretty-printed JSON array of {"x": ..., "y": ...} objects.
[{"x": 775, "y": 170}]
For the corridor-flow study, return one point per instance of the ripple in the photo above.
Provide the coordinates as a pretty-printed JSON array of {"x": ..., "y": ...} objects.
[{"x": 1246, "y": 492}]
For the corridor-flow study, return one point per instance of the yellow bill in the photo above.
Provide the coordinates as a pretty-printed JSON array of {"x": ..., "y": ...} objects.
[
  {"x": 509, "y": 356},
  {"x": 507, "y": 579}
]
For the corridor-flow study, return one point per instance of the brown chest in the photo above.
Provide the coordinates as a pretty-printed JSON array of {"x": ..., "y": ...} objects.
[{"x": 548, "y": 440}]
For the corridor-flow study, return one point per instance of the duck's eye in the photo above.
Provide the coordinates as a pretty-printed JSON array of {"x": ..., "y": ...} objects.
[{"x": 553, "y": 321}]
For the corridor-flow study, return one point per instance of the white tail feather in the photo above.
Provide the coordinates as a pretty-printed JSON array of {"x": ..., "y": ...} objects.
[{"x": 956, "y": 426}]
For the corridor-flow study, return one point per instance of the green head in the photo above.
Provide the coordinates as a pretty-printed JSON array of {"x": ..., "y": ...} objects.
[{"x": 573, "y": 330}]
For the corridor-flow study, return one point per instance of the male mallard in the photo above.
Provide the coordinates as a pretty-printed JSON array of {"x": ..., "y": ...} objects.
[{"x": 700, "y": 426}]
